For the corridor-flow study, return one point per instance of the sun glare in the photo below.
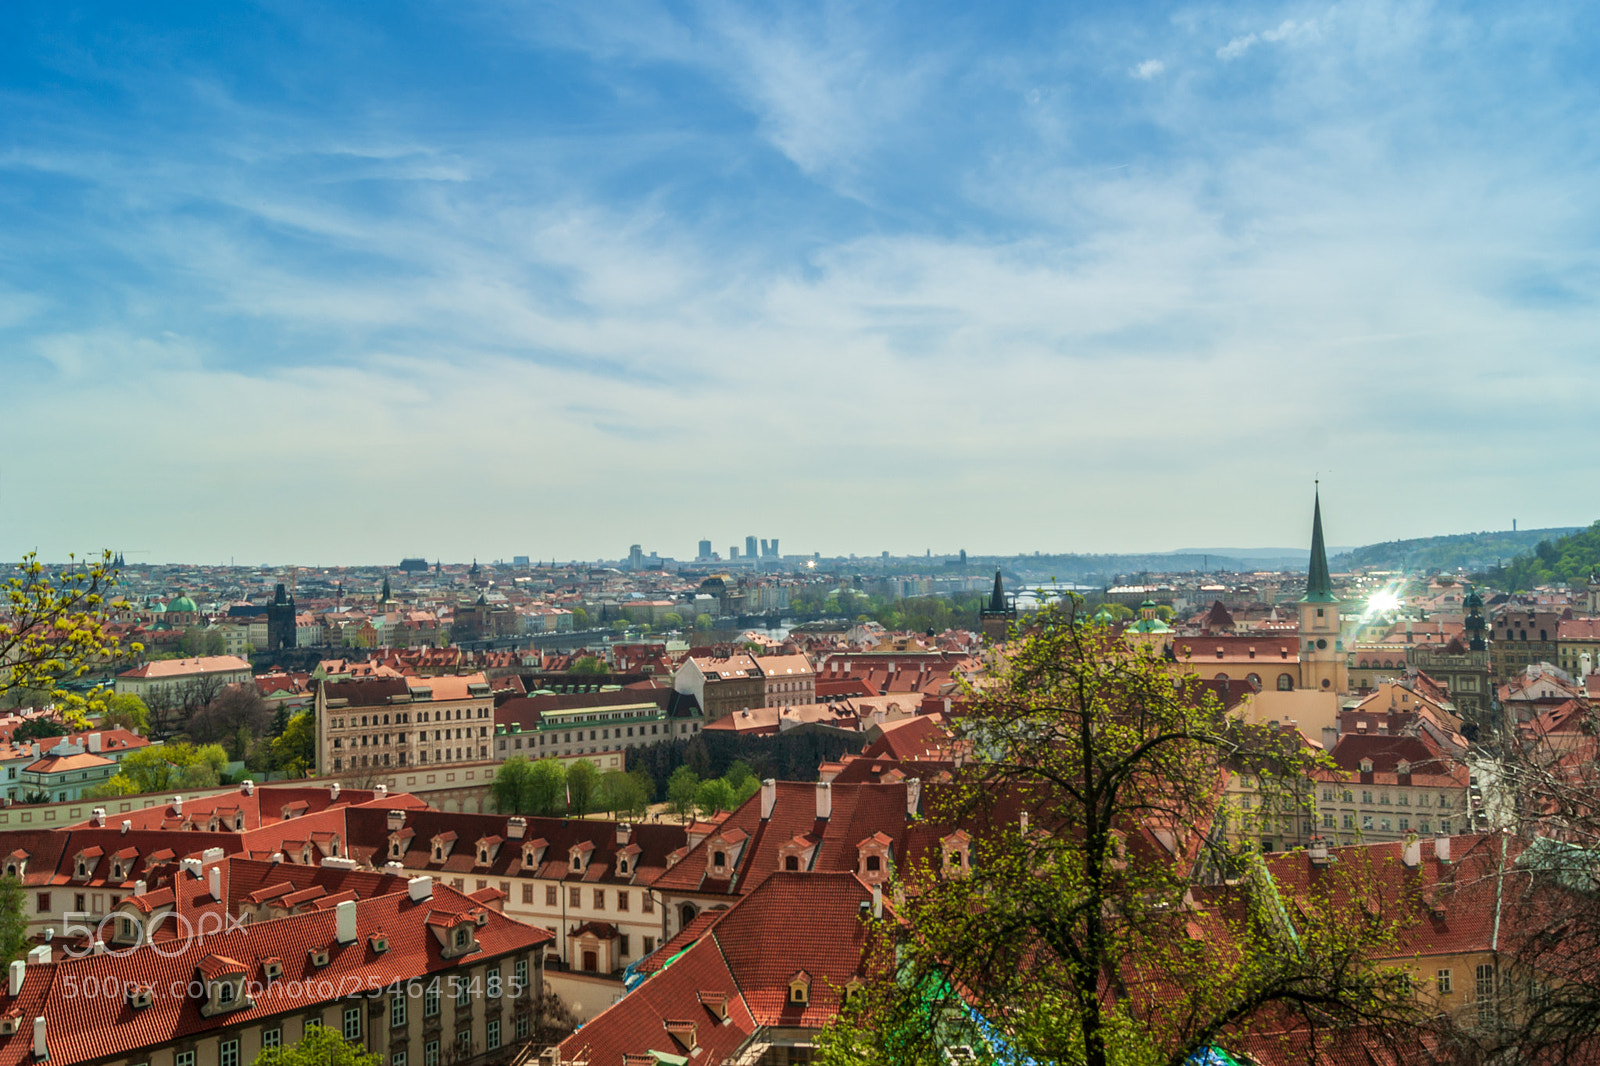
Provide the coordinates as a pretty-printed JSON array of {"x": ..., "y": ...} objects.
[{"x": 1383, "y": 600}]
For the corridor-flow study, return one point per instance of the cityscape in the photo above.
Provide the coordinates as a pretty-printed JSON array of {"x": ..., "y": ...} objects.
[{"x": 722, "y": 534}]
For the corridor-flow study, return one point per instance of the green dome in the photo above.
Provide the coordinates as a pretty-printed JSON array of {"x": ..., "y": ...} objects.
[
  {"x": 182, "y": 603},
  {"x": 158, "y": 607}
]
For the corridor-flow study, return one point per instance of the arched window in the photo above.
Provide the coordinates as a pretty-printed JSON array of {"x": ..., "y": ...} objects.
[
  {"x": 1285, "y": 683},
  {"x": 1254, "y": 679}
]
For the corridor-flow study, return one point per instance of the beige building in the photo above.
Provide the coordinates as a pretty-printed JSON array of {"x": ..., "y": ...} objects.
[
  {"x": 166, "y": 676},
  {"x": 374, "y": 724}
]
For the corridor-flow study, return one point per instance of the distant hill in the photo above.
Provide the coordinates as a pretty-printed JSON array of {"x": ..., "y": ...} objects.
[
  {"x": 1471, "y": 551},
  {"x": 1571, "y": 558}
]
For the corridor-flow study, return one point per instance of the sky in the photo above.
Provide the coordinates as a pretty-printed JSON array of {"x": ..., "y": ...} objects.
[{"x": 337, "y": 283}]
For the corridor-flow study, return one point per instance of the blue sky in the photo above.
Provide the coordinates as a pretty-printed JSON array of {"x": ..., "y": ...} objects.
[{"x": 320, "y": 283}]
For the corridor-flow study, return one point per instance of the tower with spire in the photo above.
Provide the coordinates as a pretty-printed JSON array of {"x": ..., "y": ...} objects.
[
  {"x": 1322, "y": 660},
  {"x": 998, "y": 615}
]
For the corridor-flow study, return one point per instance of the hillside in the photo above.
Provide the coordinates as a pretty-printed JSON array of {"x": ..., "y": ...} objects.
[
  {"x": 1571, "y": 559},
  {"x": 1471, "y": 551}
]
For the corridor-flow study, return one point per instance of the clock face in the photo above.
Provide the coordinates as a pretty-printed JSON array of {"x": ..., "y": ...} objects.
[{"x": 1322, "y": 643}]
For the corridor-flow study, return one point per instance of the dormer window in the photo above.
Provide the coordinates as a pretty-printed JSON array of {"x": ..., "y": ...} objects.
[
  {"x": 800, "y": 988},
  {"x": 463, "y": 936},
  {"x": 140, "y": 996},
  {"x": 395, "y": 850},
  {"x": 1403, "y": 768},
  {"x": 272, "y": 968},
  {"x": 1366, "y": 766},
  {"x": 719, "y": 859},
  {"x": 956, "y": 851},
  {"x": 791, "y": 862},
  {"x": 318, "y": 956}
]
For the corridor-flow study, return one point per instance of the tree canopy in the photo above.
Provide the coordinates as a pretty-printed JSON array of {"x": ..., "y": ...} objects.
[
  {"x": 321, "y": 1046},
  {"x": 1073, "y": 910}
]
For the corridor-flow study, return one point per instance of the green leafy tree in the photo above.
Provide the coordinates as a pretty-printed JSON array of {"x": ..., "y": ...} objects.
[
  {"x": 580, "y": 618},
  {"x": 681, "y": 789},
  {"x": 583, "y": 780},
  {"x": 321, "y": 1046},
  {"x": 738, "y": 773},
  {"x": 126, "y": 711},
  {"x": 53, "y": 629},
  {"x": 39, "y": 729},
  {"x": 703, "y": 623},
  {"x": 294, "y": 752},
  {"x": 672, "y": 620},
  {"x": 1080, "y": 944},
  {"x": 510, "y": 789},
  {"x": 621, "y": 793},
  {"x": 588, "y": 666},
  {"x": 14, "y": 939},
  {"x": 713, "y": 796},
  {"x": 547, "y": 787}
]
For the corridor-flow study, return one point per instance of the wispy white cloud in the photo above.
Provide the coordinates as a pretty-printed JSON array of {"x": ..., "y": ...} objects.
[
  {"x": 1287, "y": 30},
  {"x": 1150, "y": 68}
]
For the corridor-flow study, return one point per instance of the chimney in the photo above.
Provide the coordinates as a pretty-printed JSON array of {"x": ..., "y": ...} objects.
[
  {"x": 1411, "y": 852},
  {"x": 380, "y": 791},
  {"x": 177, "y": 804},
  {"x": 345, "y": 921},
  {"x": 420, "y": 888},
  {"x": 1330, "y": 737},
  {"x": 191, "y": 865},
  {"x": 41, "y": 954},
  {"x": 41, "y": 1050},
  {"x": 140, "y": 887},
  {"x": 913, "y": 797},
  {"x": 211, "y": 855},
  {"x": 516, "y": 826},
  {"x": 126, "y": 825},
  {"x": 333, "y": 790},
  {"x": 94, "y": 743},
  {"x": 1441, "y": 847},
  {"x": 1317, "y": 851},
  {"x": 98, "y": 816},
  {"x": 824, "y": 800},
  {"x": 877, "y": 901},
  {"x": 216, "y": 883},
  {"x": 19, "y": 972},
  {"x": 769, "y": 797},
  {"x": 248, "y": 787},
  {"x": 397, "y": 820},
  {"x": 624, "y": 834}
]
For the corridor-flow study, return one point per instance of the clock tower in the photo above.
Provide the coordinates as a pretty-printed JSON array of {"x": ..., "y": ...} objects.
[{"x": 1322, "y": 661}]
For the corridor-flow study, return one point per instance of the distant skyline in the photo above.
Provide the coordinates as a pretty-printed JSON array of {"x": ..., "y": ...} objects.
[{"x": 302, "y": 284}]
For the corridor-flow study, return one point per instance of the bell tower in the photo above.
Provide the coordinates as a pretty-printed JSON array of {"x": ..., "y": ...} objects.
[
  {"x": 1322, "y": 660},
  {"x": 997, "y": 618}
]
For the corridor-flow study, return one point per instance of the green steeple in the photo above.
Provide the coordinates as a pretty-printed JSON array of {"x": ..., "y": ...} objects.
[
  {"x": 1319, "y": 586},
  {"x": 997, "y": 598}
]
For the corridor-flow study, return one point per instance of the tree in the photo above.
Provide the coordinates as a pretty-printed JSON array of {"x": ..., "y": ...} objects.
[
  {"x": 233, "y": 708},
  {"x": 703, "y": 623},
  {"x": 588, "y": 665},
  {"x": 713, "y": 796},
  {"x": 583, "y": 780},
  {"x": 295, "y": 752},
  {"x": 681, "y": 789},
  {"x": 547, "y": 787},
  {"x": 14, "y": 938},
  {"x": 580, "y": 618},
  {"x": 126, "y": 711},
  {"x": 53, "y": 629},
  {"x": 1084, "y": 932},
  {"x": 39, "y": 729},
  {"x": 621, "y": 793},
  {"x": 321, "y": 1046},
  {"x": 672, "y": 620},
  {"x": 510, "y": 786}
]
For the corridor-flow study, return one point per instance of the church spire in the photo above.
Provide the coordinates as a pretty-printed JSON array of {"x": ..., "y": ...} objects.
[
  {"x": 1319, "y": 585},
  {"x": 997, "y": 599}
]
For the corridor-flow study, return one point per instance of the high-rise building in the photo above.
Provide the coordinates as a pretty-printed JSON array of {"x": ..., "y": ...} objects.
[
  {"x": 750, "y": 548},
  {"x": 636, "y": 557},
  {"x": 733, "y": 553},
  {"x": 705, "y": 551},
  {"x": 775, "y": 547}
]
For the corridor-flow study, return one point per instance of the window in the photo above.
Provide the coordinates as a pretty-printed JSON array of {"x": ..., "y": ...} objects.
[
  {"x": 521, "y": 975},
  {"x": 1327, "y": 821},
  {"x": 397, "y": 1058},
  {"x": 228, "y": 1053},
  {"x": 463, "y": 992},
  {"x": 1349, "y": 821},
  {"x": 464, "y": 1044},
  {"x": 1383, "y": 824},
  {"x": 1366, "y": 821},
  {"x": 527, "y": 893},
  {"x": 522, "y": 1027},
  {"x": 647, "y": 903},
  {"x": 549, "y": 895},
  {"x": 44, "y": 908},
  {"x": 430, "y": 1000},
  {"x": 1366, "y": 796},
  {"x": 430, "y": 1054},
  {"x": 649, "y": 944},
  {"x": 1485, "y": 993},
  {"x": 492, "y": 1034},
  {"x": 183, "y": 1058},
  {"x": 622, "y": 944},
  {"x": 397, "y": 1009},
  {"x": 599, "y": 899},
  {"x": 352, "y": 1023},
  {"x": 1442, "y": 978},
  {"x": 574, "y": 897},
  {"x": 622, "y": 900}
]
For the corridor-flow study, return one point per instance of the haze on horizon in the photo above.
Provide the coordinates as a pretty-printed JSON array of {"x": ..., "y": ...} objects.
[{"x": 298, "y": 285}]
